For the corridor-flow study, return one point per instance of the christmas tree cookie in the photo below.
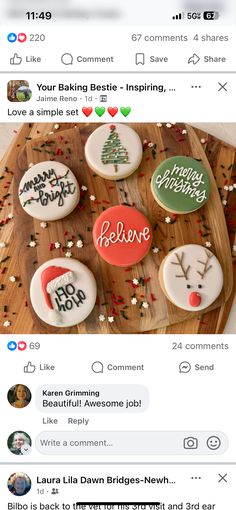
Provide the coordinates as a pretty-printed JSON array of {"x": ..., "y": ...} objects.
[
  {"x": 49, "y": 191},
  {"x": 113, "y": 151},
  {"x": 180, "y": 185},
  {"x": 191, "y": 277},
  {"x": 122, "y": 235},
  {"x": 63, "y": 292}
]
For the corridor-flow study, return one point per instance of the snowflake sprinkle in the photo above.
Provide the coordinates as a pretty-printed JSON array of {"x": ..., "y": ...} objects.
[
  {"x": 32, "y": 244},
  {"x": 145, "y": 304},
  {"x": 135, "y": 281},
  {"x": 69, "y": 244},
  {"x": 12, "y": 278},
  {"x": 110, "y": 318},
  {"x": 168, "y": 219},
  {"x": 84, "y": 188},
  {"x": 92, "y": 197},
  {"x": 43, "y": 224},
  {"x": 79, "y": 244},
  {"x": 6, "y": 324},
  {"x": 208, "y": 244},
  {"x": 155, "y": 249},
  {"x": 134, "y": 301},
  {"x": 68, "y": 254},
  {"x": 57, "y": 244},
  {"x": 101, "y": 317}
]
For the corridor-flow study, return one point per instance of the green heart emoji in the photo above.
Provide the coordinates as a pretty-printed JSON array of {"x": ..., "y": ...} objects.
[
  {"x": 125, "y": 110},
  {"x": 100, "y": 110}
]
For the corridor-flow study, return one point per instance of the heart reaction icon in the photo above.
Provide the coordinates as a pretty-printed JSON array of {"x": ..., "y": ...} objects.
[{"x": 22, "y": 345}]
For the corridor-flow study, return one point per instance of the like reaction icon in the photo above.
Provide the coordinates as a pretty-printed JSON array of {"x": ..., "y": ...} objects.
[{"x": 15, "y": 60}]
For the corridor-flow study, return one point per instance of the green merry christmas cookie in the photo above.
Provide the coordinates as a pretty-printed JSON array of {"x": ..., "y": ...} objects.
[{"x": 180, "y": 185}]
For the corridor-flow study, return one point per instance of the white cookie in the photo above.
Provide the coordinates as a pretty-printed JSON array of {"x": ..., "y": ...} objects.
[
  {"x": 63, "y": 292},
  {"x": 191, "y": 277},
  {"x": 114, "y": 151},
  {"x": 49, "y": 191}
]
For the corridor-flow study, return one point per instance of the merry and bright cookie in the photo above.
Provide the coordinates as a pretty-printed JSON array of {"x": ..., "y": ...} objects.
[
  {"x": 180, "y": 185},
  {"x": 122, "y": 235},
  {"x": 191, "y": 277},
  {"x": 49, "y": 191},
  {"x": 114, "y": 151},
  {"x": 63, "y": 292}
]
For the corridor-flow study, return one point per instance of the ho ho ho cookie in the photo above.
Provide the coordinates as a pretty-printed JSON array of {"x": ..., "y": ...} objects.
[
  {"x": 191, "y": 277},
  {"x": 49, "y": 191},
  {"x": 114, "y": 151},
  {"x": 122, "y": 235},
  {"x": 63, "y": 292},
  {"x": 180, "y": 185}
]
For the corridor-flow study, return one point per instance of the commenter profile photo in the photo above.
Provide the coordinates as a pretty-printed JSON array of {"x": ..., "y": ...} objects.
[
  {"x": 19, "y": 484},
  {"x": 19, "y": 396},
  {"x": 19, "y": 443}
]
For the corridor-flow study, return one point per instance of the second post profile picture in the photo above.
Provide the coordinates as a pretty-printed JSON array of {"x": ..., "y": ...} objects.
[
  {"x": 18, "y": 91},
  {"x": 19, "y": 396}
]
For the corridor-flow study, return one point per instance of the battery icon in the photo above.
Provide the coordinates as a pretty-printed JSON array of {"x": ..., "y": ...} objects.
[{"x": 210, "y": 15}]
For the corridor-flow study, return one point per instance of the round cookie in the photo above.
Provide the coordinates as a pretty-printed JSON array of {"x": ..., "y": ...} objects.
[
  {"x": 180, "y": 185},
  {"x": 122, "y": 235},
  {"x": 191, "y": 277},
  {"x": 114, "y": 151},
  {"x": 63, "y": 292},
  {"x": 49, "y": 191}
]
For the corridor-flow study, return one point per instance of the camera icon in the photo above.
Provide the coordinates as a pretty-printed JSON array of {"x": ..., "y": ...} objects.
[{"x": 190, "y": 443}]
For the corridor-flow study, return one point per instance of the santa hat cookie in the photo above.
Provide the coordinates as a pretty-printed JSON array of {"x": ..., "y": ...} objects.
[
  {"x": 63, "y": 292},
  {"x": 191, "y": 277},
  {"x": 114, "y": 151},
  {"x": 49, "y": 191}
]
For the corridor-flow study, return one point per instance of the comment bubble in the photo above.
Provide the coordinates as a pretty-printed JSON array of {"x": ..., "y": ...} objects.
[
  {"x": 127, "y": 443},
  {"x": 99, "y": 398},
  {"x": 67, "y": 59}
]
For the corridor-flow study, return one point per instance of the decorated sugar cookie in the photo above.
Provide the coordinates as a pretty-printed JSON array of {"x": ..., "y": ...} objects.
[
  {"x": 180, "y": 185},
  {"x": 191, "y": 277},
  {"x": 49, "y": 191},
  {"x": 114, "y": 151},
  {"x": 63, "y": 292},
  {"x": 122, "y": 235}
]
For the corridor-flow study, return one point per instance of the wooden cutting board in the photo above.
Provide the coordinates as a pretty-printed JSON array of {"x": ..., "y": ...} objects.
[{"x": 115, "y": 287}]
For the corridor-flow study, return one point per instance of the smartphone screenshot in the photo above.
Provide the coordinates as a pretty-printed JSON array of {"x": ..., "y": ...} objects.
[{"x": 117, "y": 255}]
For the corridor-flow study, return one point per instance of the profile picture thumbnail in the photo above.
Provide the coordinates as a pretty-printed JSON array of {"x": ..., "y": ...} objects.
[
  {"x": 19, "y": 396},
  {"x": 19, "y": 484},
  {"x": 18, "y": 91},
  {"x": 19, "y": 443}
]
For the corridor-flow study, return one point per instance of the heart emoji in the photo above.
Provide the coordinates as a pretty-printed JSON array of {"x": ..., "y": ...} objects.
[
  {"x": 112, "y": 110},
  {"x": 125, "y": 110},
  {"x": 100, "y": 110},
  {"x": 22, "y": 37},
  {"x": 21, "y": 345},
  {"x": 87, "y": 110}
]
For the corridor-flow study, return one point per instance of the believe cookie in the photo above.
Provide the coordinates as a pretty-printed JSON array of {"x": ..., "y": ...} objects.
[
  {"x": 191, "y": 277},
  {"x": 122, "y": 235},
  {"x": 49, "y": 191},
  {"x": 180, "y": 185},
  {"x": 114, "y": 151},
  {"x": 63, "y": 292}
]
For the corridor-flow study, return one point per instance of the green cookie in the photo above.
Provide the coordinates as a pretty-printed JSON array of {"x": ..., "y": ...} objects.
[{"x": 181, "y": 184}]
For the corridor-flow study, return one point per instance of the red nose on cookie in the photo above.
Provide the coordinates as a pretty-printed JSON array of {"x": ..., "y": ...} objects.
[{"x": 194, "y": 299}]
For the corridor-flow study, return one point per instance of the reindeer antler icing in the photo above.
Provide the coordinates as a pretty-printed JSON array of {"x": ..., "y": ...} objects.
[
  {"x": 180, "y": 263},
  {"x": 205, "y": 264}
]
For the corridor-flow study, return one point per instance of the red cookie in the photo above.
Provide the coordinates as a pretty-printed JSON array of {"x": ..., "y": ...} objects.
[{"x": 122, "y": 235}]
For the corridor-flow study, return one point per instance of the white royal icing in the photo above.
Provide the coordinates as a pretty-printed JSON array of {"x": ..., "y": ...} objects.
[
  {"x": 192, "y": 265},
  {"x": 130, "y": 144},
  {"x": 69, "y": 308},
  {"x": 49, "y": 191},
  {"x": 121, "y": 235}
]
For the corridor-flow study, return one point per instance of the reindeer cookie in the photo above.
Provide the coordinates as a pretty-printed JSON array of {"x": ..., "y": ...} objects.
[
  {"x": 114, "y": 151},
  {"x": 191, "y": 277},
  {"x": 180, "y": 185}
]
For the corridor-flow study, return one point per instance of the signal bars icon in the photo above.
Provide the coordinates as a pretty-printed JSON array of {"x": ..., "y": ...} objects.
[{"x": 179, "y": 16}]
